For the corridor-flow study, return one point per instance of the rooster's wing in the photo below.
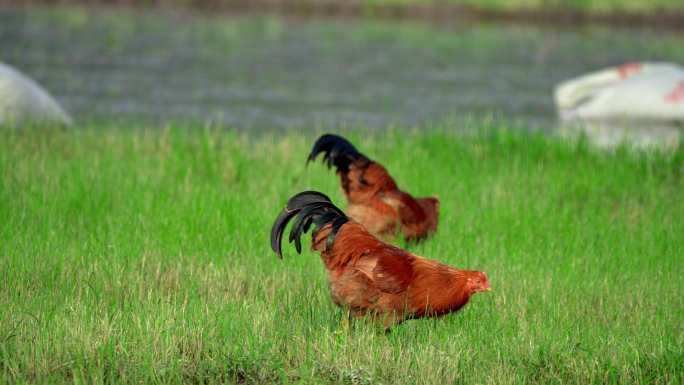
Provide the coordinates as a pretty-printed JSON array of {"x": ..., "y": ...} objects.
[{"x": 390, "y": 270}]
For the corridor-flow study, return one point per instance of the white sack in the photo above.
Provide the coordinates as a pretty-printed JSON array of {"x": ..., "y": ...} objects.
[
  {"x": 639, "y": 91},
  {"x": 23, "y": 100}
]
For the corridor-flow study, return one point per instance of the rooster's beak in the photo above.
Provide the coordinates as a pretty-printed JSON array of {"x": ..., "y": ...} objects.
[{"x": 488, "y": 289}]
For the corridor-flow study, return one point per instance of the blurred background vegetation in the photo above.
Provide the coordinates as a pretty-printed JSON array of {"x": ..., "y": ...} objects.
[{"x": 588, "y": 6}]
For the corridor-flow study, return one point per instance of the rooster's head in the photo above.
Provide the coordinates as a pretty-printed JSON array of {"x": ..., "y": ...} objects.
[{"x": 478, "y": 282}]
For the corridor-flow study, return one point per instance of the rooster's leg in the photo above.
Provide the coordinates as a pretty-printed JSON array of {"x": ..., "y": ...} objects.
[
  {"x": 391, "y": 319},
  {"x": 346, "y": 322}
]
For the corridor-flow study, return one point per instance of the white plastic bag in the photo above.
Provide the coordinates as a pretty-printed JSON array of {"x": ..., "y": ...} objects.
[
  {"x": 22, "y": 100},
  {"x": 640, "y": 91},
  {"x": 640, "y": 104}
]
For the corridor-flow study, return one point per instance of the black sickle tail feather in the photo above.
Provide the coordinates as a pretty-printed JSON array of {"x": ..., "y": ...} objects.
[
  {"x": 336, "y": 151},
  {"x": 310, "y": 207}
]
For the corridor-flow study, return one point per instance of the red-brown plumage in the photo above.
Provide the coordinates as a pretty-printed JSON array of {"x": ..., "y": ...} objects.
[
  {"x": 371, "y": 277},
  {"x": 374, "y": 198}
]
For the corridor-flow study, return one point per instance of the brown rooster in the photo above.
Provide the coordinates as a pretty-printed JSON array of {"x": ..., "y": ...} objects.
[
  {"x": 368, "y": 276},
  {"x": 374, "y": 199}
]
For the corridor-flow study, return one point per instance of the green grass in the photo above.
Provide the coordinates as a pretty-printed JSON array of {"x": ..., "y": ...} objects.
[{"x": 132, "y": 255}]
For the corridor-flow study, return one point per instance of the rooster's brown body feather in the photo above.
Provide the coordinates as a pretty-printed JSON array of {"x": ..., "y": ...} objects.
[
  {"x": 369, "y": 276},
  {"x": 373, "y": 196}
]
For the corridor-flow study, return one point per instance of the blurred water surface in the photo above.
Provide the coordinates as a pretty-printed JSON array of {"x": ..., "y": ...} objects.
[{"x": 265, "y": 72}]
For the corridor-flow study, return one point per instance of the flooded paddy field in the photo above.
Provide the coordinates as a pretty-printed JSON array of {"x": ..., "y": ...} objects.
[{"x": 270, "y": 73}]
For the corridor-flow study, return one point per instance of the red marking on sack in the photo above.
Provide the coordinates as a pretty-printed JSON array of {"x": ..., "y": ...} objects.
[
  {"x": 626, "y": 70},
  {"x": 677, "y": 94}
]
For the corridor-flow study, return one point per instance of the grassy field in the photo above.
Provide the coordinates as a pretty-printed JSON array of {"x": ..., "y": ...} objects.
[{"x": 134, "y": 255}]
